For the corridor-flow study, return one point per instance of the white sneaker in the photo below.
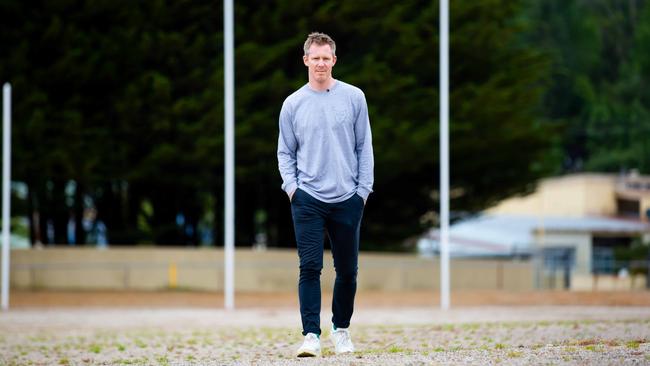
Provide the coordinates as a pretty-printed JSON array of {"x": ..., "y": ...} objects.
[
  {"x": 342, "y": 340},
  {"x": 310, "y": 347}
]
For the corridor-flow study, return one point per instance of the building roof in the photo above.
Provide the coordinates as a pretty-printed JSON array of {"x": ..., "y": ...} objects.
[
  {"x": 505, "y": 235},
  {"x": 595, "y": 224}
]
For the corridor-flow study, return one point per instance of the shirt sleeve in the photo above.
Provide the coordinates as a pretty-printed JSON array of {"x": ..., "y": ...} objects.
[
  {"x": 287, "y": 146},
  {"x": 364, "y": 151}
]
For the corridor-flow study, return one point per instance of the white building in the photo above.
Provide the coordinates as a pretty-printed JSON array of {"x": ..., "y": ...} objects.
[{"x": 576, "y": 221}]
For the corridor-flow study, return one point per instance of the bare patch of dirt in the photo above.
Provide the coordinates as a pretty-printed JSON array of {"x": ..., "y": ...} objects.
[{"x": 174, "y": 299}]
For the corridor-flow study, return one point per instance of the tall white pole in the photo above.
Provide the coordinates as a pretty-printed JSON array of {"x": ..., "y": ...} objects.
[
  {"x": 6, "y": 198},
  {"x": 444, "y": 154},
  {"x": 229, "y": 107}
]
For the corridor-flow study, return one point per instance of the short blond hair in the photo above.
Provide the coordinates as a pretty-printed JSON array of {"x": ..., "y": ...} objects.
[{"x": 320, "y": 39}]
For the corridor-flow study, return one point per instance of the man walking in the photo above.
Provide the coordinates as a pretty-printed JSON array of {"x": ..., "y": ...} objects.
[{"x": 326, "y": 163}]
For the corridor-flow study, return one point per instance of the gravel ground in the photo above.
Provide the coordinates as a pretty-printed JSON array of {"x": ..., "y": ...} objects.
[{"x": 549, "y": 335}]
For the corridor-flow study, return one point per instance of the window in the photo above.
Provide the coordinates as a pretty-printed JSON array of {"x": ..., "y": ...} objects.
[
  {"x": 558, "y": 258},
  {"x": 602, "y": 254},
  {"x": 628, "y": 207}
]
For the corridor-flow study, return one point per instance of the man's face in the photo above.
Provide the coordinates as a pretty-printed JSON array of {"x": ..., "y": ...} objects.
[{"x": 319, "y": 62}]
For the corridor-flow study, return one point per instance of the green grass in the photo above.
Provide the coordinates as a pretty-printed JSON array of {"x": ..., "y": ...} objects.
[
  {"x": 130, "y": 361},
  {"x": 162, "y": 360},
  {"x": 138, "y": 342},
  {"x": 471, "y": 326},
  {"x": 448, "y": 327},
  {"x": 95, "y": 348},
  {"x": 395, "y": 349},
  {"x": 496, "y": 342},
  {"x": 594, "y": 348}
]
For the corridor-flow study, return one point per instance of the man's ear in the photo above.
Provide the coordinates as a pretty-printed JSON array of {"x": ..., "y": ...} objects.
[
  {"x": 305, "y": 60},
  {"x": 333, "y": 60}
]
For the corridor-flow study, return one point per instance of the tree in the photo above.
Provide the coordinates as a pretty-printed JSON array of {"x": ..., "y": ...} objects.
[
  {"x": 109, "y": 105},
  {"x": 390, "y": 51},
  {"x": 597, "y": 95},
  {"x": 135, "y": 93}
]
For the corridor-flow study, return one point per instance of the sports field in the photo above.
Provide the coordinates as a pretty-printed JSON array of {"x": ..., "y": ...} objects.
[{"x": 397, "y": 333}]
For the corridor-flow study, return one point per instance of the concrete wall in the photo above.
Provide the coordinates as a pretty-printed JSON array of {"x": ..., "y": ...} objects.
[
  {"x": 608, "y": 283},
  {"x": 271, "y": 270},
  {"x": 579, "y": 240},
  {"x": 645, "y": 206}
]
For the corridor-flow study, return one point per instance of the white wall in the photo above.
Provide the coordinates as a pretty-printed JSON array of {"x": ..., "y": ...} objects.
[{"x": 580, "y": 241}]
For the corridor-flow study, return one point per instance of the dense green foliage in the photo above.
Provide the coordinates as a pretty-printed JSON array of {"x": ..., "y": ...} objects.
[
  {"x": 601, "y": 58},
  {"x": 118, "y": 105},
  {"x": 635, "y": 258},
  {"x": 121, "y": 99}
]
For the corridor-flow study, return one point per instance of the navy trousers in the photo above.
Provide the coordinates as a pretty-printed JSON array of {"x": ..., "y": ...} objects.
[{"x": 311, "y": 219}]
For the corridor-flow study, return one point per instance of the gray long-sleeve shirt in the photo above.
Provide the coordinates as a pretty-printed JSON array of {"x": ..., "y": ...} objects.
[{"x": 325, "y": 144}]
